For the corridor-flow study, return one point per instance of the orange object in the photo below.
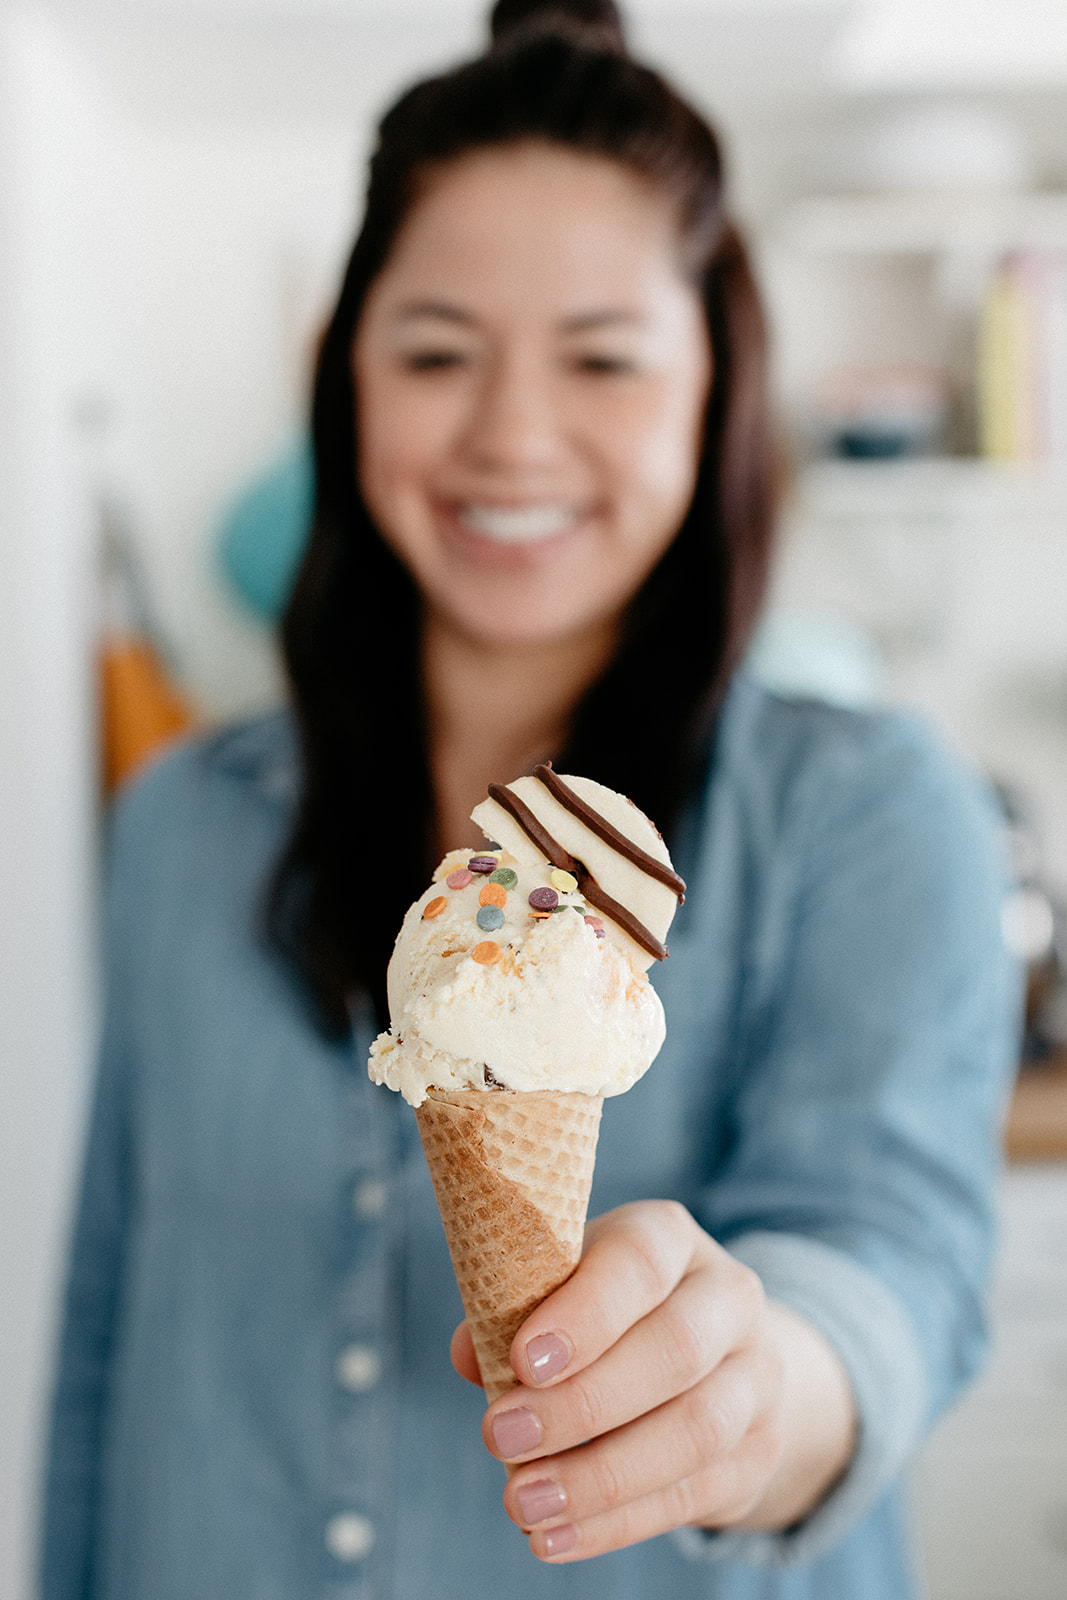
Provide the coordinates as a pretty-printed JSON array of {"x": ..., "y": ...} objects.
[
  {"x": 486, "y": 954},
  {"x": 141, "y": 710},
  {"x": 493, "y": 894},
  {"x": 434, "y": 907}
]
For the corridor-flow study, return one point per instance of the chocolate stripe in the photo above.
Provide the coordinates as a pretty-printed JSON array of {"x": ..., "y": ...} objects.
[
  {"x": 555, "y": 853},
  {"x": 603, "y": 829},
  {"x": 626, "y": 919},
  {"x": 532, "y": 828}
]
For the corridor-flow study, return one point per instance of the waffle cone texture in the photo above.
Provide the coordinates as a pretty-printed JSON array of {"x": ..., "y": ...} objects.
[{"x": 512, "y": 1174}]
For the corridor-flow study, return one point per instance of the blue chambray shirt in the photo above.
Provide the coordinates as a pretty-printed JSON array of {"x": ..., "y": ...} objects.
[{"x": 254, "y": 1397}]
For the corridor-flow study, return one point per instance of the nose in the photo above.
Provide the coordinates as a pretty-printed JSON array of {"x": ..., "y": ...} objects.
[{"x": 514, "y": 424}]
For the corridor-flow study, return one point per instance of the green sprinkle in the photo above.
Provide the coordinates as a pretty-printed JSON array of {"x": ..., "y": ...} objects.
[{"x": 505, "y": 877}]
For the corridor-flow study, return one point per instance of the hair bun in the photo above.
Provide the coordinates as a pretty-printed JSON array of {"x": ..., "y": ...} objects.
[{"x": 598, "y": 21}]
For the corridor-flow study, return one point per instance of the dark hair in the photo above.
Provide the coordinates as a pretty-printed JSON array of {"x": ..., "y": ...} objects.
[{"x": 357, "y": 854}]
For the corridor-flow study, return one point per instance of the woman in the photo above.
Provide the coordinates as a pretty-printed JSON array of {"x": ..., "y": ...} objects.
[{"x": 542, "y": 525}]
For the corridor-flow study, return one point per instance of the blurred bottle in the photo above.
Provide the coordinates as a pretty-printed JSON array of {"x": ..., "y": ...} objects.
[
  {"x": 1022, "y": 360},
  {"x": 141, "y": 706}
]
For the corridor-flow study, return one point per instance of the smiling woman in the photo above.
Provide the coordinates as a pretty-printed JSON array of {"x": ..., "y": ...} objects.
[
  {"x": 532, "y": 369},
  {"x": 541, "y": 530}
]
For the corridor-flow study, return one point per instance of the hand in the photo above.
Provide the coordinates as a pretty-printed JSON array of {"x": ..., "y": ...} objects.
[{"x": 660, "y": 1387}]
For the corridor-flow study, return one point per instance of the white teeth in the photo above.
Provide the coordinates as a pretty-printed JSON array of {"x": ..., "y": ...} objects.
[{"x": 519, "y": 524}]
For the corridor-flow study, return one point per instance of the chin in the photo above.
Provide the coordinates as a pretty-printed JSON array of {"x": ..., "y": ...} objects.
[{"x": 507, "y": 625}]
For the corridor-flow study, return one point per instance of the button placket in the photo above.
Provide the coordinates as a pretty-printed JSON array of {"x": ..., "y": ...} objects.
[{"x": 357, "y": 1530}]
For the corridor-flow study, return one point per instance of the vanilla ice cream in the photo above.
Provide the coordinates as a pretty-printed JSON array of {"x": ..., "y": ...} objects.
[{"x": 522, "y": 966}]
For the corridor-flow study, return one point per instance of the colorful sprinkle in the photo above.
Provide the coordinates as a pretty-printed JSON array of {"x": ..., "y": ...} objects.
[
  {"x": 506, "y": 878},
  {"x": 544, "y": 899},
  {"x": 460, "y": 878},
  {"x": 595, "y": 922},
  {"x": 492, "y": 894},
  {"x": 482, "y": 864},
  {"x": 540, "y": 916},
  {"x": 565, "y": 882},
  {"x": 486, "y": 953},
  {"x": 434, "y": 907},
  {"x": 490, "y": 918}
]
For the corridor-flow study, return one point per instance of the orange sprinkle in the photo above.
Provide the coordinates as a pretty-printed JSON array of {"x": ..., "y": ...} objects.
[
  {"x": 435, "y": 907},
  {"x": 486, "y": 953},
  {"x": 492, "y": 894},
  {"x": 540, "y": 916}
]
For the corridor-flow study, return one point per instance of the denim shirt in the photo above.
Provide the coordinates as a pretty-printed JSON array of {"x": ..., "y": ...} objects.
[{"x": 254, "y": 1398}]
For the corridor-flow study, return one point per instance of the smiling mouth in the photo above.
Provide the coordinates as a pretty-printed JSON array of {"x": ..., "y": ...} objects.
[{"x": 511, "y": 525}]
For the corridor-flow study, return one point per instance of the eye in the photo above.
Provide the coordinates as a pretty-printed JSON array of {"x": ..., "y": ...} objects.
[
  {"x": 602, "y": 363},
  {"x": 433, "y": 360}
]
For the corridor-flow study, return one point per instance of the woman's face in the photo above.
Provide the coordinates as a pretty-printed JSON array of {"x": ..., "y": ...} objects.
[{"x": 532, "y": 370}]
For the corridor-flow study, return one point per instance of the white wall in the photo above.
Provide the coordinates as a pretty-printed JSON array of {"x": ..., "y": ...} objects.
[{"x": 52, "y": 156}]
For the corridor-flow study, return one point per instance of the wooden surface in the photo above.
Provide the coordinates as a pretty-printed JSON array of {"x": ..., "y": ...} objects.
[{"x": 1037, "y": 1119}]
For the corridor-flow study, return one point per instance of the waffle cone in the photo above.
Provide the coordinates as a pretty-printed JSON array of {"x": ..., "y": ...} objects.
[{"x": 512, "y": 1174}]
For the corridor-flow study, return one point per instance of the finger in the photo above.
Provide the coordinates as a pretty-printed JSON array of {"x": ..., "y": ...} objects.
[
  {"x": 712, "y": 1312},
  {"x": 463, "y": 1357},
  {"x": 704, "y": 1426},
  {"x": 717, "y": 1496},
  {"x": 634, "y": 1257}
]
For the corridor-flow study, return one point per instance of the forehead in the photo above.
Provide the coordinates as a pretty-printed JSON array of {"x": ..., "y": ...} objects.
[{"x": 534, "y": 227}]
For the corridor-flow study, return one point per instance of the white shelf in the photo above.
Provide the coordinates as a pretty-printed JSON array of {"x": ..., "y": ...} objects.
[
  {"x": 933, "y": 487},
  {"x": 925, "y": 224}
]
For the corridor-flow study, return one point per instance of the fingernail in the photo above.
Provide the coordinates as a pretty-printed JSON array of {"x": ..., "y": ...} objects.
[
  {"x": 515, "y": 1432},
  {"x": 541, "y": 1500},
  {"x": 559, "y": 1540},
  {"x": 547, "y": 1355}
]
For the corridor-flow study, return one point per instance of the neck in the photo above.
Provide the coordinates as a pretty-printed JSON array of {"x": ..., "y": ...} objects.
[{"x": 494, "y": 712}]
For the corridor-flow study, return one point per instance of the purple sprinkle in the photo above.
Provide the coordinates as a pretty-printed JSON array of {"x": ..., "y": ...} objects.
[
  {"x": 544, "y": 899},
  {"x": 599, "y": 933},
  {"x": 483, "y": 864}
]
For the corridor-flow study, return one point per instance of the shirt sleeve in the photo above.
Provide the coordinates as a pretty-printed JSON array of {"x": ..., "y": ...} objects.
[
  {"x": 74, "y": 1461},
  {"x": 877, "y": 1039}
]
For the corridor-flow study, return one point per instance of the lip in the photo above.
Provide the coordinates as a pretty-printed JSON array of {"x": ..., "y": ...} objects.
[{"x": 526, "y": 527}]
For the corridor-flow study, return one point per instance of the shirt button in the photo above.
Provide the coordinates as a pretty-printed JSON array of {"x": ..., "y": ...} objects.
[
  {"x": 349, "y": 1536},
  {"x": 358, "y": 1368},
  {"x": 369, "y": 1198}
]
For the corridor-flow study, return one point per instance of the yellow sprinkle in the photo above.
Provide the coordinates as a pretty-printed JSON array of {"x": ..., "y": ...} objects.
[{"x": 565, "y": 882}]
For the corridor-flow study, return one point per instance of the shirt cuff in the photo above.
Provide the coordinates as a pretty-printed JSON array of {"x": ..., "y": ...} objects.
[{"x": 879, "y": 1348}]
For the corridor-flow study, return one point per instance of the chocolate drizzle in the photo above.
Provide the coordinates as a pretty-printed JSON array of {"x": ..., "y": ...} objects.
[
  {"x": 587, "y": 884},
  {"x": 603, "y": 829}
]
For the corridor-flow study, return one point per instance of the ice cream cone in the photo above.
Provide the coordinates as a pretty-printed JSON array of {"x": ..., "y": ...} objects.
[{"x": 512, "y": 1174}]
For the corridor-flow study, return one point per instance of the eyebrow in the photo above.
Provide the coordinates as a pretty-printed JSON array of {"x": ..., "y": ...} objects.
[
  {"x": 601, "y": 319},
  {"x": 583, "y": 322},
  {"x": 439, "y": 309}
]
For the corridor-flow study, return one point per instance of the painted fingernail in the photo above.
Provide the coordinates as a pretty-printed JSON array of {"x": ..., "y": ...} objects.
[
  {"x": 559, "y": 1540},
  {"x": 541, "y": 1500},
  {"x": 548, "y": 1354},
  {"x": 515, "y": 1432}
]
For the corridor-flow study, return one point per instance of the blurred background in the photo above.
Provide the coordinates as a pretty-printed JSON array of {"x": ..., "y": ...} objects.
[{"x": 178, "y": 182}]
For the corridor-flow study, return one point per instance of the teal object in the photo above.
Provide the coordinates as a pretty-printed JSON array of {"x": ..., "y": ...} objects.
[
  {"x": 814, "y": 655},
  {"x": 264, "y": 533}
]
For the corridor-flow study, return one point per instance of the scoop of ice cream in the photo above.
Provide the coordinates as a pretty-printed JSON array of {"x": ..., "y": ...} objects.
[
  {"x": 522, "y": 966},
  {"x": 510, "y": 995}
]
